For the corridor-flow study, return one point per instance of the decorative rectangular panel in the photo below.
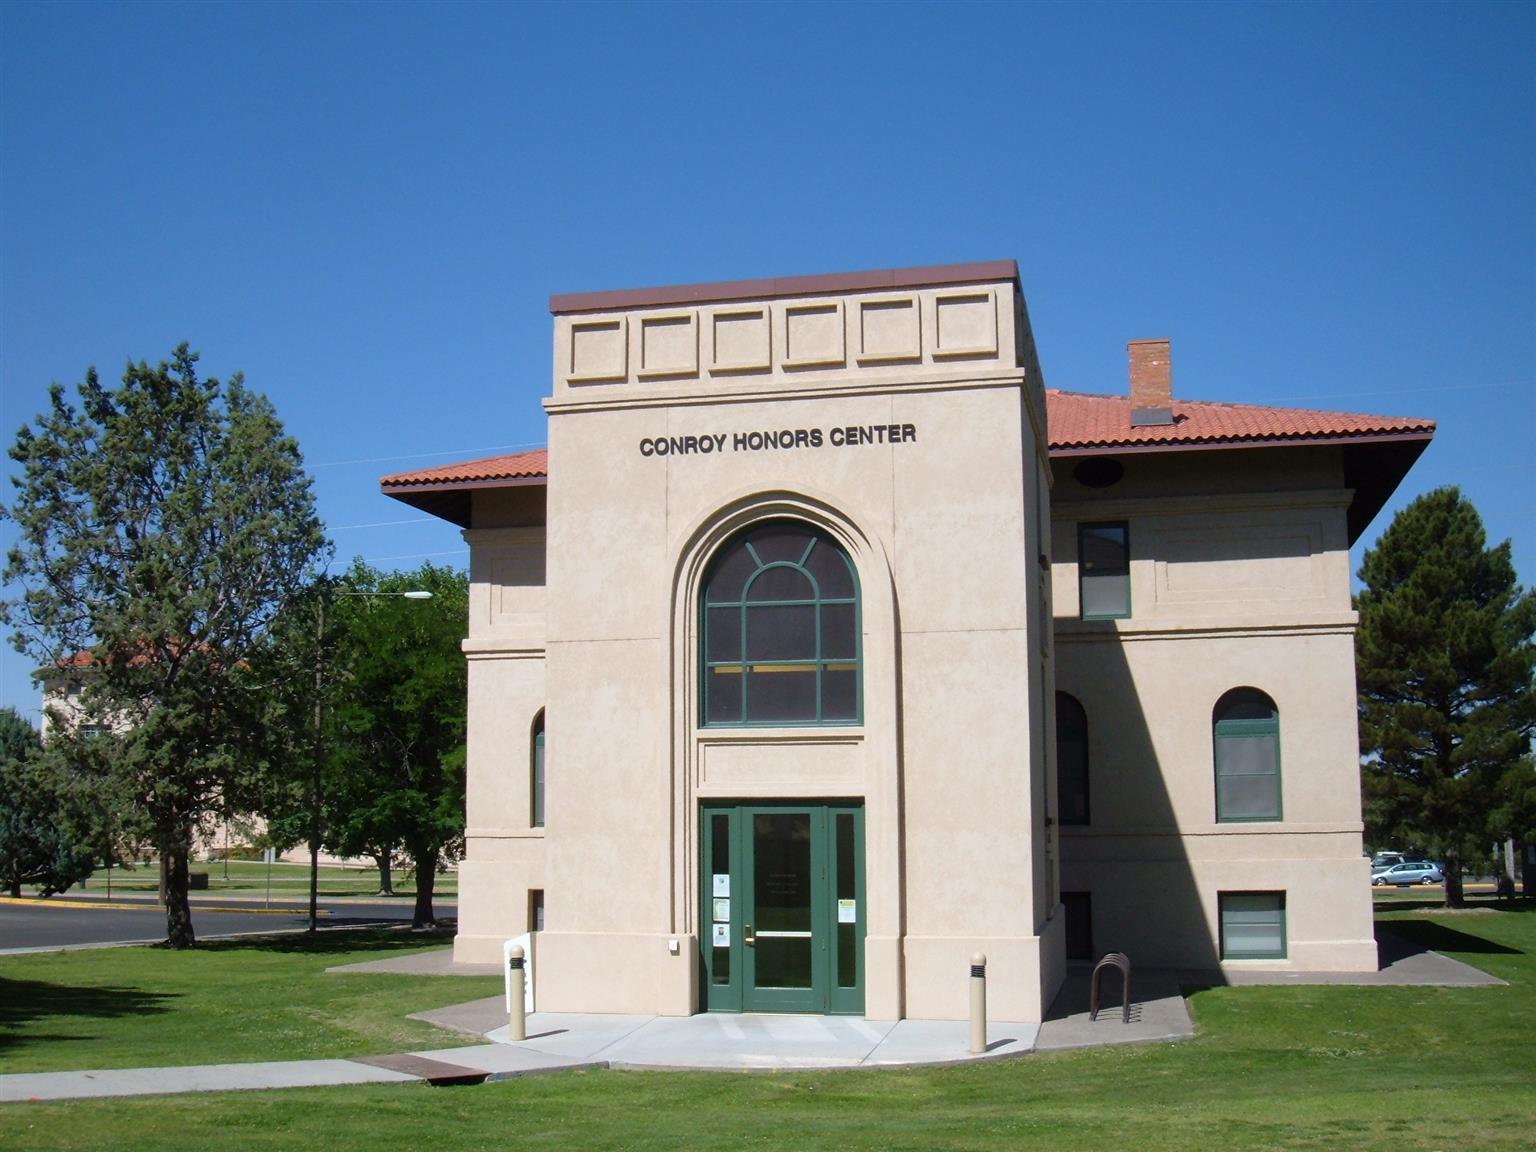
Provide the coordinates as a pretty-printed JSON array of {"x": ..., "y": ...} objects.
[
  {"x": 965, "y": 324},
  {"x": 889, "y": 330},
  {"x": 669, "y": 345},
  {"x": 1261, "y": 563},
  {"x": 785, "y": 768},
  {"x": 814, "y": 335},
  {"x": 740, "y": 341},
  {"x": 599, "y": 351}
]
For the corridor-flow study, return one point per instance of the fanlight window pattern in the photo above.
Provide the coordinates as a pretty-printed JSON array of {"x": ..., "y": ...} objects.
[{"x": 780, "y": 630}]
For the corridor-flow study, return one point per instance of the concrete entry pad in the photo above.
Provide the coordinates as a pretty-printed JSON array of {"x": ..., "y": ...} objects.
[
  {"x": 1158, "y": 1012},
  {"x": 753, "y": 1041}
]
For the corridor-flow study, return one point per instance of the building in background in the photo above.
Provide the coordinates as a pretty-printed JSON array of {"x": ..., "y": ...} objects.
[{"x": 775, "y": 651}]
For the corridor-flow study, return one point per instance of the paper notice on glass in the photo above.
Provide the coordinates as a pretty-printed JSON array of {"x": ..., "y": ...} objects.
[
  {"x": 722, "y": 911},
  {"x": 722, "y": 935},
  {"x": 722, "y": 884},
  {"x": 847, "y": 911}
]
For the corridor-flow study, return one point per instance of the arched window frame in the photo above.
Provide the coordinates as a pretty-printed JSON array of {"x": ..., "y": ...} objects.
[
  {"x": 746, "y": 666},
  {"x": 1072, "y": 779},
  {"x": 1246, "y": 718},
  {"x": 536, "y": 772}
]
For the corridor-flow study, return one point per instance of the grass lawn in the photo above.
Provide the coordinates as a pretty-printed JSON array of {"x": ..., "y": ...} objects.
[
  {"x": 1272, "y": 1068},
  {"x": 252, "y": 998},
  {"x": 290, "y": 880}
]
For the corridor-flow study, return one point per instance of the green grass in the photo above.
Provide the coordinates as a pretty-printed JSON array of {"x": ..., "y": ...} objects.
[
  {"x": 1361, "y": 1069},
  {"x": 254, "y": 998},
  {"x": 250, "y": 877}
]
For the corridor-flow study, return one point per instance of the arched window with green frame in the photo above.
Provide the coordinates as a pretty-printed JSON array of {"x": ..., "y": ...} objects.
[
  {"x": 1245, "y": 730},
  {"x": 779, "y": 628}
]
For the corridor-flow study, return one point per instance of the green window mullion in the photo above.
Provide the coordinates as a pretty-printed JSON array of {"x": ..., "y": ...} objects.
[{"x": 741, "y": 717}]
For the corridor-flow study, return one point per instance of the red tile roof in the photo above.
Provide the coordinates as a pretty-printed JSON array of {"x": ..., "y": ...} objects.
[
  {"x": 1082, "y": 422},
  {"x": 1079, "y": 422},
  {"x": 520, "y": 466}
]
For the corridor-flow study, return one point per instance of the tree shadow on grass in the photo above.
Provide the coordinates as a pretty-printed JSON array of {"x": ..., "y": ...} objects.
[
  {"x": 1397, "y": 939},
  {"x": 1517, "y": 905},
  {"x": 383, "y": 941},
  {"x": 24, "y": 1002}
]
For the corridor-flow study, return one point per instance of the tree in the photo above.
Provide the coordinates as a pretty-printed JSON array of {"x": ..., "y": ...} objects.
[
  {"x": 398, "y": 752},
  {"x": 1447, "y": 704},
  {"x": 162, "y": 525},
  {"x": 43, "y": 839}
]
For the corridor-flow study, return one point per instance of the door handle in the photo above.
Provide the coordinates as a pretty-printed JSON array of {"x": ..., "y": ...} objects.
[{"x": 747, "y": 937}]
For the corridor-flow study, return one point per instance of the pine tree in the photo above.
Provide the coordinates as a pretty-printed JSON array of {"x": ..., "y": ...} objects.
[
  {"x": 1445, "y": 657},
  {"x": 42, "y": 838},
  {"x": 162, "y": 525}
]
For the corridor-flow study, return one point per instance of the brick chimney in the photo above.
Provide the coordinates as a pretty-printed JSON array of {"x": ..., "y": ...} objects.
[{"x": 1151, "y": 382}]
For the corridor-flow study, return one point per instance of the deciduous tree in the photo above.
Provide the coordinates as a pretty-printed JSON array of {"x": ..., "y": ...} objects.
[
  {"x": 162, "y": 525},
  {"x": 399, "y": 751},
  {"x": 1447, "y": 703}
]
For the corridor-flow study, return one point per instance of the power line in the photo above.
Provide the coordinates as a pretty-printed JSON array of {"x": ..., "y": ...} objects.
[{"x": 381, "y": 524}]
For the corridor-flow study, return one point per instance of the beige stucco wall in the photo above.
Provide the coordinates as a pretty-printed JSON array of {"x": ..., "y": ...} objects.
[
  {"x": 504, "y": 853},
  {"x": 939, "y": 526},
  {"x": 964, "y": 538},
  {"x": 1239, "y": 578}
]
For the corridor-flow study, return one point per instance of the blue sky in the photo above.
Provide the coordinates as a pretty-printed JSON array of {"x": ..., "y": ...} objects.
[{"x": 365, "y": 208}]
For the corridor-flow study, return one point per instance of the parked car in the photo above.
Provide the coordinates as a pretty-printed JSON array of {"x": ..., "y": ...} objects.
[
  {"x": 1409, "y": 872},
  {"x": 1384, "y": 860}
]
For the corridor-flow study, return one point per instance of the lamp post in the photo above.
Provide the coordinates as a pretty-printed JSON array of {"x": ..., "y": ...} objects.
[{"x": 318, "y": 758}]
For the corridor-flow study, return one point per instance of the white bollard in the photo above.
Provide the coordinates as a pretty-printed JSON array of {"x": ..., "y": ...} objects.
[
  {"x": 517, "y": 1023},
  {"x": 978, "y": 1004}
]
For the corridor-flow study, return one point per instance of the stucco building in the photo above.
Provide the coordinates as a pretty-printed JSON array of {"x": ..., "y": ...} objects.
[{"x": 775, "y": 652}]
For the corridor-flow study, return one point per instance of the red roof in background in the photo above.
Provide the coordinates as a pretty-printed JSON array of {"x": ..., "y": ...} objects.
[
  {"x": 1082, "y": 422},
  {"x": 520, "y": 466}
]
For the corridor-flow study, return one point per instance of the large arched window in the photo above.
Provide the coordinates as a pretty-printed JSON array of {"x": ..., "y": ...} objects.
[
  {"x": 779, "y": 621},
  {"x": 1245, "y": 727},
  {"x": 1071, "y": 759}
]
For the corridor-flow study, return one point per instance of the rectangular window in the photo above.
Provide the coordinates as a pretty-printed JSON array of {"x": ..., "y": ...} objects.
[
  {"x": 1252, "y": 925},
  {"x": 1078, "y": 908},
  {"x": 1104, "y": 570},
  {"x": 535, "y": 909}
]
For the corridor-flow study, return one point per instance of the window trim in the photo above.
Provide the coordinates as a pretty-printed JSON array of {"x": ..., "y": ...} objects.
[
  {"x": 818, "y": 663},
  {"x": 1246, "y": 729},
  {"x": 1222, "y": 903},
  {"x": 1125, "y": 528}
]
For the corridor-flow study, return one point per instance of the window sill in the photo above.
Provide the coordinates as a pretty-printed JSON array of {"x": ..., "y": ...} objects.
[{"x": 785, "y": 734}]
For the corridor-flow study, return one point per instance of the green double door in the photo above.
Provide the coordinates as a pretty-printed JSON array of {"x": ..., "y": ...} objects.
[{"x": 782, "y": 902}]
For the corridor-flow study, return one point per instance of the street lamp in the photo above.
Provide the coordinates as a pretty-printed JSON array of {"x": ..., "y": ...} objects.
[{"x": 314, "y": 783}]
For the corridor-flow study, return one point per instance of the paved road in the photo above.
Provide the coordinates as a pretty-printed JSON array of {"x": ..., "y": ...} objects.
[{"x": 57, "y": 923}]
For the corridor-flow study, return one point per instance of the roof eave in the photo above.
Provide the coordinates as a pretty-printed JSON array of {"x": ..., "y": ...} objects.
[
  {"x": 451, "y": 500},
  {"x": 1118, "y": 449}
]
